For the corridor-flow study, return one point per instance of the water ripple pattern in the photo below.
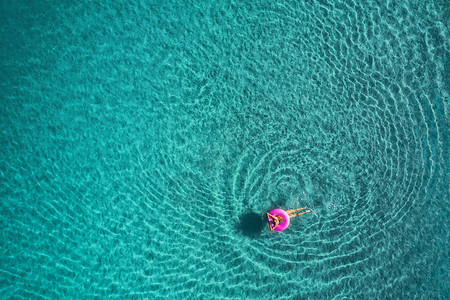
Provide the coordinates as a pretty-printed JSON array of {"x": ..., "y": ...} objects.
[{"x": 143, "y": 143}]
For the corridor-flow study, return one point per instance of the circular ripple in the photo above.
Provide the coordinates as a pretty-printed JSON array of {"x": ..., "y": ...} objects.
[{"x": 133, "y": 154}]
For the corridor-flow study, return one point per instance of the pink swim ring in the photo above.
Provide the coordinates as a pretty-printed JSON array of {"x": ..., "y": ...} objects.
[{"x": 286, "y": 219}]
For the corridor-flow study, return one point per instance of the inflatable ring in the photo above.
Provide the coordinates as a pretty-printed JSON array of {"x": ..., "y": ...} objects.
[{"x": 286, "y": 219}]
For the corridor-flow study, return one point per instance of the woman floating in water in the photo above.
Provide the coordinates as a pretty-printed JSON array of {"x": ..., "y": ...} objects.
[{"x": 279, "y": 219}]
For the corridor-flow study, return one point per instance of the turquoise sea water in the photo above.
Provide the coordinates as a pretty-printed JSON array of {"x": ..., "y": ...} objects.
[{"x": 142, "y": 144}]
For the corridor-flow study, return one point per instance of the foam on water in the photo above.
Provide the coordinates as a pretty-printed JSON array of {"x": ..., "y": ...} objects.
[{"x": 142, "y": 145}]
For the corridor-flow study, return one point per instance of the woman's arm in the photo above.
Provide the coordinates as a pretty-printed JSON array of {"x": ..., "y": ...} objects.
[
  {"x": 272, "y": 216},
  {"x": 274, "y": 222}
]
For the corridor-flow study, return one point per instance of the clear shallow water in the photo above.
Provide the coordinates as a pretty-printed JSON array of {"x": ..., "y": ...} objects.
[{"x": 143, "y": 143}]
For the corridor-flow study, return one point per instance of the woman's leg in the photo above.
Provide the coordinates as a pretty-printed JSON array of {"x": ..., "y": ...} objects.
[
  {"x": 290, "y": 211},
  {"x": 299, "y": 214}
]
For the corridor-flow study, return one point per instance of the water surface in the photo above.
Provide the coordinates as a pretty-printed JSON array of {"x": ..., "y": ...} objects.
[{"x": 142, "y": 144}]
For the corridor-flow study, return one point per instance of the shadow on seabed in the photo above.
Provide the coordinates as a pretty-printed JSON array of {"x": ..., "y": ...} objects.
[{"x": 251, "y": 224}]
